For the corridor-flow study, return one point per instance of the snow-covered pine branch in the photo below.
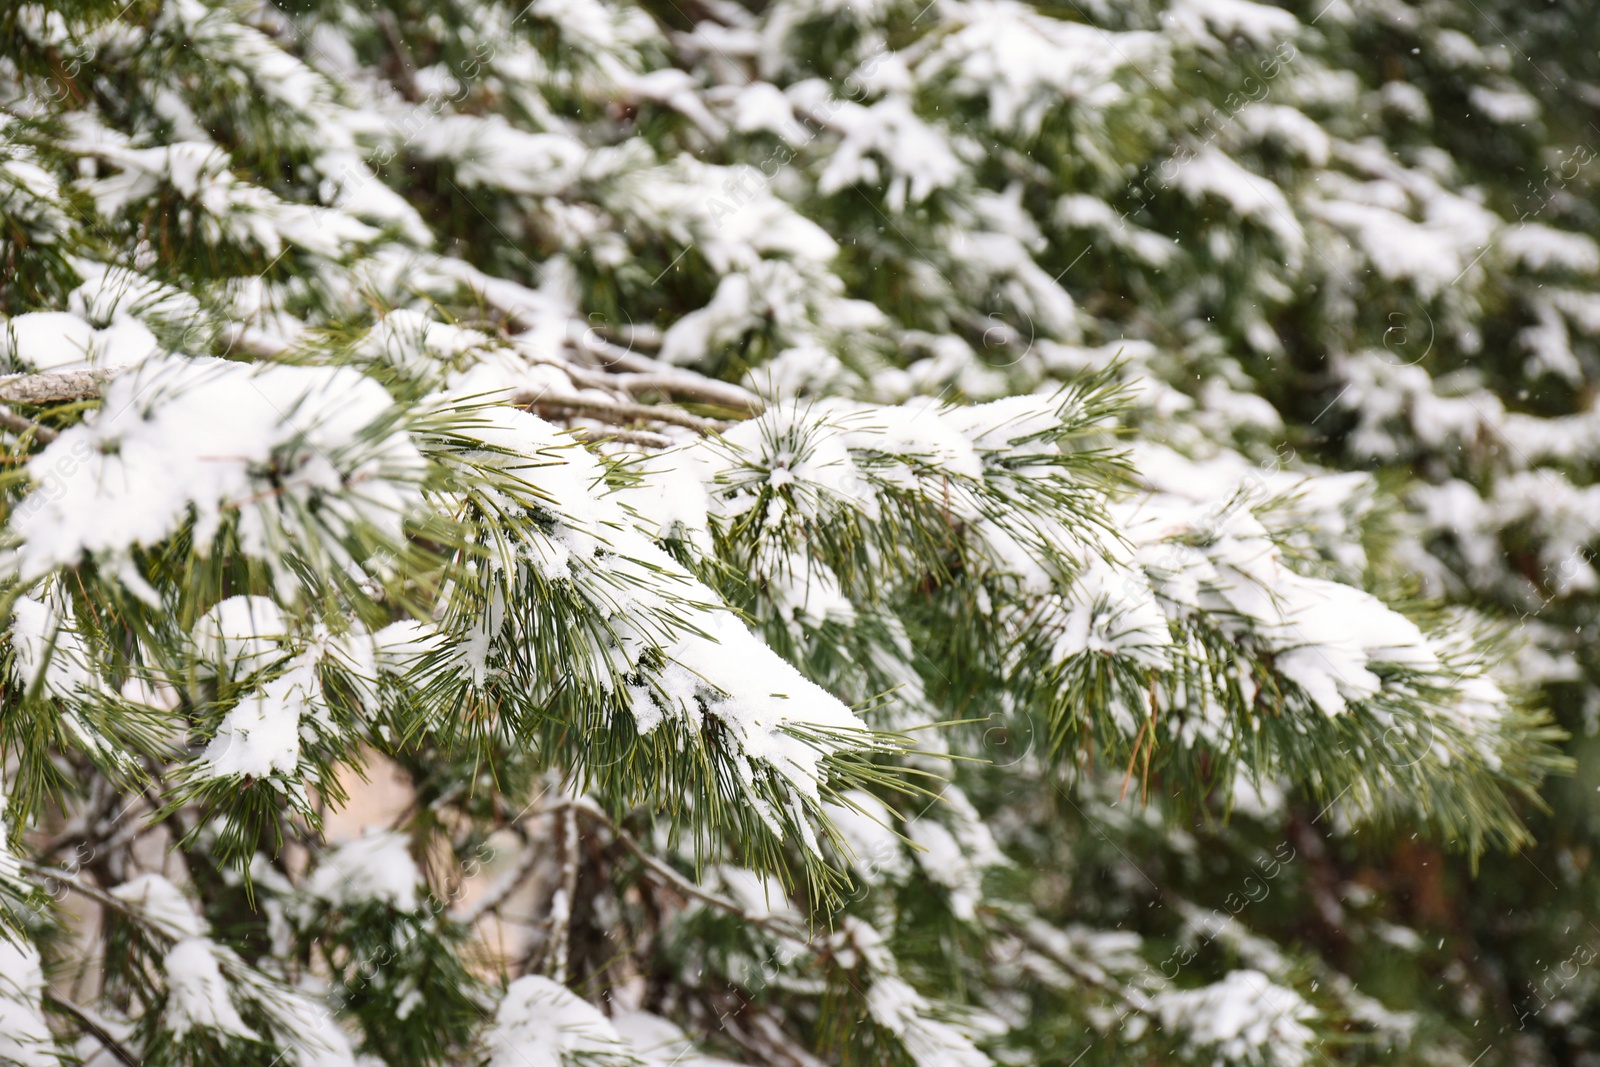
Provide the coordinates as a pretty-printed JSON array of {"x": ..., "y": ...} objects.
[{"x": 820, "y": 511}]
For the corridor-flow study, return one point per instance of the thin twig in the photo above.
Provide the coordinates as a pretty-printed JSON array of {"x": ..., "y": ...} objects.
[
  {"x": 93, "y": 1026},
  {"x": 707, "y": 389},
  {"x": 406, "y": 75},
  {"x": 619, "y": 411},
  {"x": 629, "y": 384},
  {"x": 561, "y": 925},
  {"x": 628, "y": 437},
  {"x": 496, "y": 894},
  {"x": 663, "y": 377},
  {"x": 21, "y": 426},
  {"x": 1138, "y": 742}
]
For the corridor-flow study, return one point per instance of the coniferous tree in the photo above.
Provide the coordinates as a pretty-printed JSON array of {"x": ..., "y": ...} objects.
[{"x": 868, "y": 533}]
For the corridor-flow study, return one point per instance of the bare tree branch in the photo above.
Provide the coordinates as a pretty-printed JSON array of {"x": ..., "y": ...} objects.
[
  {"x": 93, "y": 1026},
  {"x": 10, "y": 420},
  {"x": 54, "y": 387},
  {"x": 644, "y": 372},
  {"x": 618, "y": 411}
]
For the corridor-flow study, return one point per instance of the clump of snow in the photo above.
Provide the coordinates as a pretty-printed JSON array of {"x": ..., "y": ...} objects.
[
  {"x": 489, "y": 151},
  {"x": 400, "y": 647},
  {"x": 376, "y": 867},
  {"x": 728, "y": 214},
  {"x": 1292, "y": 128},
  {"x": 776, "y": 717},
  {"x": 1090, "y": 212},
  {"x": 201, "y": 173},
  {"x": 1209, "y": 172},
  {"x": 197, "y": 993},
  {"x": 669, "y": 499},
  {"x": 1244, "y": 1016},
  {"x": 240, "y": 635},
  {"x": 1452, "y": 48},
  {"x": 758, "y": 895},
  {"x": 658, "y": 1041},
  {"x": 310, "y": 1030},
  {"x": 888, "y": 136},
  {"x": 1326, "y": 636},
  {"x": 260, "y": 735},
  {"x": 1432, "y": 253},
  {"x": 761, "y": 698},
  {"x": 1264, "y": 800},
  {"x": 111, "y": 294},
  {"x": 541, "y": 1023},
  {"x": 1540, "y": 247},
  {"x": 25, "y": 1038},
  {"x": 805, "y": 305},
  {"x": 208, "y": 439},
  {"x": 1507, "y": 104},
  {"x": 53, "y": 656},
  {"x": 1407, "y": 100},
  {"x": 163, "y": 904},
  {"x": 1259, "y": 23},
  {"x": 930, "y": 1041},
  {"x": 762, "y": 106},
  {"x": 48, "y": 650},
  {"x": 413, "y": 342},
  {"x": 1026, "y": 63},
  {"x": 1107, "y": 612},
  {"x": 942, "y": 859},
  {"x": 60, "y": 341}
]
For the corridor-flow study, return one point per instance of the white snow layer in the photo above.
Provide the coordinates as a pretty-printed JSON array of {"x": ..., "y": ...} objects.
[
  {"x": 215, "y": 439},
  {"x": 1244, "y": 1016},
  {"x": 540, "y": 1023},
  {"x": 60, "y": 341},
  {"x": 198, "y": 994},
  {"x": 897, "y": 1007},
  {"x": 25, "y": 1038},
  {"x": 758, "y": 695},
  {"x": 376, "y": 867}
]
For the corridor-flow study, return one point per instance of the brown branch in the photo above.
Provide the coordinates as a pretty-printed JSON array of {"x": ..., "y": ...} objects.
[
  {"x": 707, "y": 389},
  {"x": 68, "y": 386},
  {"x": 55, "y": 387},
  {"x": 405, "y": 78},
  {"x": 618, "y": 411},
  {"x": 669, "y": 381},
  {"x": 628, "y": 437},
  {"x": 10, "y": 420},
  {"x": 644, "y": 372},
  {"x": 562, "y": 921},
  {"x": 90, "y": 1024},
  {"x": 497, "y": 894}
]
